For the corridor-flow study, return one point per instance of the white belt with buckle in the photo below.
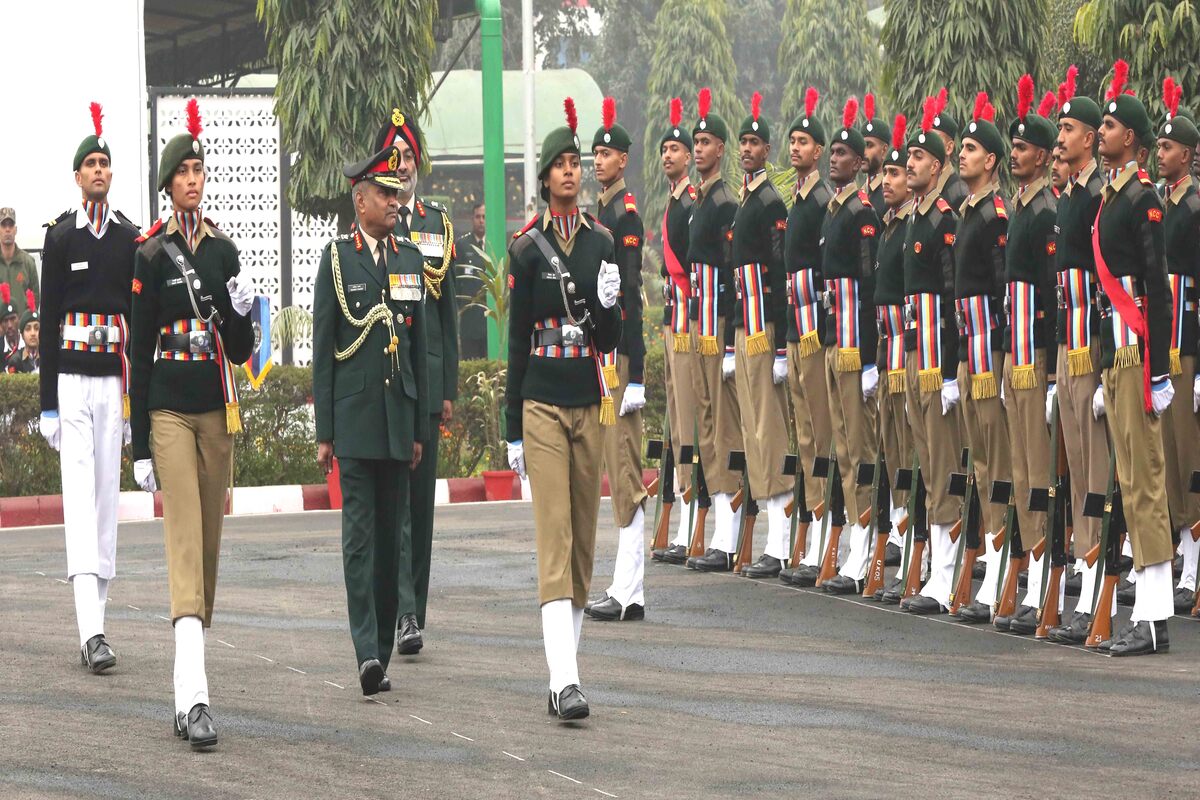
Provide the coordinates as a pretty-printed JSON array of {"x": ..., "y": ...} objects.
[{"x": 92, "y": 335}]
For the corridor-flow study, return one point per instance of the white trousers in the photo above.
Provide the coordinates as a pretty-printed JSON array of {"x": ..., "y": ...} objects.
[
  {"x": 859, "y": 555},
  {"x": 1190, "y": 550},
  {"x": 629, "y": 574},
  {"x": 191, "y": 681},
  {"x": 941, "y": 564},
  {"x": 561, "y": 627},
  {"x": 89, "y": 413}
]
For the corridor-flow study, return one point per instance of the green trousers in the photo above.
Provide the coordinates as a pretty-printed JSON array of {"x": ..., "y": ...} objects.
[
  {"x": 414, "y": 562},
  {"x": 375, "y": 514}
]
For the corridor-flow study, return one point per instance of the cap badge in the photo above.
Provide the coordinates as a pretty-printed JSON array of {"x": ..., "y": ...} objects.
[
  {"x": 195, "y": 146},
  {"x": 397, "y": 117},
  {"x": 845, "y": 135},
  {"x": 870, "y": 127},
  {"x": 1112, "y": 106},
  {"x": 895, "y": 155},
  {"x": 576, "y": 140},
  {"x": 937, "y": 120},
  {"x": 1021, "y": 128},
  {"x": 1167, "y": 129},
  {"x": 607, "y": 137},
  {"x": 1067, "y": 107},
  {"x": 805, "y": 123},
  {"x": 675, "y": 132},
  {"x": 921, "y": 138},
  {"x": 754, "y": 126},
  {"x": 393, "y": 160},
  {"x": 100, "y": 141},
  {"x": 973, "y": 127},
  {"x": 703, "y": 124}
]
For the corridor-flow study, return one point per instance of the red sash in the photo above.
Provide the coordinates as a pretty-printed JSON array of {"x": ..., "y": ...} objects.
[
  {"x": 1131, "y": 315},
  {"x": 674, "y": 268}
]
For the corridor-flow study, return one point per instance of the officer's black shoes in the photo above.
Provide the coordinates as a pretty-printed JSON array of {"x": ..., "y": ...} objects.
[
  {"x": 1024, "y": 622},
  {"x": 197, "y": 727},
  {"x": 713, "y": 560},
  {"x": 1073, "y": 585},
  {"x": 920, "y": 604},
  {"x": 568, "y": 704},
  {"x": 96, "y": 655},
  {"x": 675, "y": 554},
  {"x": 804, "y": 575},
  {"x": 766, "y": 567},
  {"x": 974, "y": 613},
  {"x": 1145, "y": 638},
  {"x": 409, "y": 641},
  {"x": 611, "y": 610},
  {"x": 370, "y": 675},
  {"x": 892, "y": 555},
  {"x": 1185, "y": 599},
  {"x": 891, "y": 595},
  {"x": 841, "y": 584},
  {"x": 1075, "y": 632},
  {"x": 588, "y": 608},
  {"x": 1126, "y": 593},
  {"x": 385, "y": 685}
]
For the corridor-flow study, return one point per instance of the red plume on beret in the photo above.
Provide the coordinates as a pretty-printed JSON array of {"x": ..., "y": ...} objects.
[
  {"x": 850, "y": 112},
  {"x": 193, "y": 118},
  {"x": 811, "y": 96},
  {"x": 980, "y": 102},
  {"x": 1072, "y": 73},
  {"x": 942, "y": 98},
  {"x": 1063, "y": 97},
  {"x": 928, "y": 113},
  {"x": 704, "y": 102},
  {"x": 609, "y": 112},
  {"x": 869, "y": 106},
  {"x": 1172, "y": 94},
  {"x": 97, "y": 116},
  {"x": 1047, "y": 105},
  {"x": 898, "y": 131},
  {"x": 989, "y": 112},
  {"x": 755, "y": 105},
  {"x": 676, "y": 111},
  {"x": 572, "y": 118},
  {"x": 1120, "y": 77},
  {"x": 5, "y": 293},
  {"x": 1024, "y": 96},
  {"x": 30, "y": 300}
]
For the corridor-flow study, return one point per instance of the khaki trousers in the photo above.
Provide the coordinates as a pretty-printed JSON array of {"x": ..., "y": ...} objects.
[
  {"x": 854, "y": 423},
  {"x": 810, "y": 414},
  {"x": 718, "y": 415},
  {"x": 1033, "y": 455},
  {"x": 938, "y": 444},
  {"x": 679, "y": 369},
  {"x": 563, "y": 452},
  {"x": 623, "y": 454},
  {"x": 193, "y": 455},
  {"x": 1141, "y": 466},
  {"x": 763, "y": 404},
  {"x": 1181, "y": 446},
  {"x": 897, "y": 439},
  {"x": 987, "y": 436},
  {"x": 1087, "y": 446}
]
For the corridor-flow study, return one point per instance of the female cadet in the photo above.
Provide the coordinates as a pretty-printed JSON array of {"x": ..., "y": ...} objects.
[
  {"x": 188, "y": 303},
  {"x": 563, "y": 315}
]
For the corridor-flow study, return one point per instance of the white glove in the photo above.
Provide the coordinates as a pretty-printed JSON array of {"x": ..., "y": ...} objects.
[
  {"x": 50, "y": 428},
  {"x": 727, "y": 365},
  {"x": 1196, "y": 395},
  {"x": 949, "y": 396},
  {"x": 241, "y": 295},
  {"x": 633, "y": 399},
  {"x": 143, "y": 475},
  {"x": 608, "y": 284},
  {"x": 516, "y": 457},
  {"x": 779, "y": 370},
  {"x": 1051, "y": 393},
  {"x": 126, "y": 432},
  {"x": 1161, "y": 394},
  {"x": 870, "y": 381},
  {"x": 1098, "y": 402}
]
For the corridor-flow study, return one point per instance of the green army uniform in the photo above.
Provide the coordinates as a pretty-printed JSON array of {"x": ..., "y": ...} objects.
[
  {"x": 20, "y": 273},
  {"x": 889, "y": 304}
]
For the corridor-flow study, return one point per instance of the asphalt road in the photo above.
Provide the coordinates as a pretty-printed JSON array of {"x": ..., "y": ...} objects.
[{"x": 730, "y": 688}]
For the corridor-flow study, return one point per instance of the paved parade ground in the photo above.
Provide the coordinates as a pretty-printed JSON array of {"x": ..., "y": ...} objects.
[{"x": 730, "y": 688}]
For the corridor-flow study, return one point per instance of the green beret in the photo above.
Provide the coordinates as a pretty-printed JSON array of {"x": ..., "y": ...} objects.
[
  {"x": 94, "y": 143},
  {"x": 756, "y": 124},
  {"x": 615, "y": 137},
  {"x": 987, "y": 134},
  {"x": 853, "y": 139},
  {"x": 27, "y": 316},
  {"x": 182, "y": 147},
  {"x": 1036, "y": 129},
  {"x": 1082, "y": 108},
  {"x": 1129, "y": 111},
  {"x": 945, "y": 123},
  {"x": 558, "y": 141},
  {"x": 676, "y": 134},
  {"x": 1180, "y": 129},
  {"x": 896, "y": 157},
  {"x": 877, "y": 129},
  {"x": 929, "y": 142}
]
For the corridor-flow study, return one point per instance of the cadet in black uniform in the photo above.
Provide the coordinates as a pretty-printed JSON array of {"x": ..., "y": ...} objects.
[
  {"x": 878, "y": 137},
  {"x": 950, "y": 186}
]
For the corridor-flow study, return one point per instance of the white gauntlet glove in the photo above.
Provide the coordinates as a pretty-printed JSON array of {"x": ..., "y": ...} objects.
[
  {"x": 779, "y": 370},
  {"x": 50, "y": 428},
  {"x": 1162, "y": 392},
  {"x": 727, "y": 366},
  {"x": 1051, "y": 393},
  {"x": 1098, "y": 402},
  {"x": 516, "y": 457},
  {"x": 608, "y": 284},
  {"x": 241, "y": 296},
  {"x": 634, "y": 398},
  {"x": 143, "y": 475},
  {"x": 870, "y": 381},
  {"x": 1196, "y": 396},
  {"x": 949, "y": 396}
]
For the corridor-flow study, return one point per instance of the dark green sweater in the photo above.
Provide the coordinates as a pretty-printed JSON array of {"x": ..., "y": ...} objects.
[
  {"x": 849, "y": 239},
  {"x": 1030, "y": 257},
  {"x": 709, "y": 237},
  {"x": 758, "y": 231},
  {"x": 979, "y": 245},
  {"x": 621, "y": 218},
  {"x": 929, "y": 269},
  {"x": 1076, "y": 212},
  {"x": 802, "y": 243},
  {"x": 1181, "y": 229},
  {"x": 889, "y": 276}
]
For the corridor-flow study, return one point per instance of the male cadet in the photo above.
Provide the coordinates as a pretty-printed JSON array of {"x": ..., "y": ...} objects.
[
  {"x": 1177, "y": 141},
  {"x": 849, "y": 238},
  {"x": 979, "y": 247},
  {"x": 622, "y": 369},
  {"x": 760, "y": 323},
  {"x": 950, "y": 185},
  {"x": 806, "y": 317},
  {"x": 427, "y": 225},
  {"x": 931, "y": 352},
  {"x": 878, "y": 136},
  {"x": 10, "y": 333},
  {"x": 87, "y": 267},
  {"x": 28, "y": 359},
  {"x": 1076, "y": 387},
  {"x": 1135, "y": 333},
  {"x": 675, "y": 151},
  {"x": 717, "y": 415},
  {"x": 371, "y": 397}
]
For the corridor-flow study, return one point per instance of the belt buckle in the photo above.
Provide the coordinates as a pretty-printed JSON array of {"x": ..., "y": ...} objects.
[
  {"x": 572, "y": 335},
  {"x": 199, "y": 342},
  {"x": 827, "y": 298},
  {"x": 1007, "y": 305},
  {"x": 881, "y": 326},
  {"x": 98, "y": 336},
  {"x": 910, "y": 314},
  {"x": 1061, "y": 294},
  {"x": 960, "y": 319}
]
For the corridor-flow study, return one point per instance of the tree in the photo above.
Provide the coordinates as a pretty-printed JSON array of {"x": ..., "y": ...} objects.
[
  {"x": 756, "y": 35},
  {"x": 558, "y": 28},
  {"x": 338, "y": 81},
  {"x": 1061, "y": 50},
  {"x": 982, "y": 46},
  {"x": 691, "y": 50},
  {"x": 1156, "y": 38}
]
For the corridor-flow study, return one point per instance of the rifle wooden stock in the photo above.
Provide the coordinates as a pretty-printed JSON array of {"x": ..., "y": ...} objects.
[
  {"x": 736, "y": 501},
  {"x": 912, "y": 581},
  {"x": 1196, "y": 531},
  {"x": 962, "y": 591},
  {"x": 801, "y": 542},
  {"x": 829, "y": 560},
  {"x": 697, "y": 546},
  {"x": 902, "y": 525},
  {"x": 689, "y": 494},
  {"x": 1050, "y": 615},
  {"x": 662, "y": 534},
  {"x": 1092, "y": 555},
  {"x": 1101, "y": 629},
  {"x": 955, "y": 531},
  {"x": 652, "y": 487},
  {"x": 1006, "y": 603},
  {"x": 745, "y": 553},
  {"x": 864, "y": 519},
  {"x": 1039, "y": 548},
  {"x": 1196, "y": 607},
  {"x": 998, "y": 538},
  {"x": 874, "y": 580}
]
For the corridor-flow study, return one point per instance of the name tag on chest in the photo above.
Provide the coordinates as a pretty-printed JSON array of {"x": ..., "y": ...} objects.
[
  {"x": 405, "y": 287},
  {"x": 174, "y": 282},
  {"x": 356, "y": 287},
  {"x": 76, "y": 266},
  {"x": 432, "y": 245}
]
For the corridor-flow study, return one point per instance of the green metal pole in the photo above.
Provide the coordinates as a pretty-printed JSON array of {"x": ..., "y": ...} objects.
[{"x": 492, "y": 52}]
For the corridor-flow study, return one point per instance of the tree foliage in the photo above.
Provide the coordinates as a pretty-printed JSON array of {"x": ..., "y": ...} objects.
[
  {"x": 559, "y": 29},
  {"x": 338, "y": 79},
  {"x": 1157, "y": 38},
  {"x": 1062, "y": 50},
  {"x": 756, "y": 35}
]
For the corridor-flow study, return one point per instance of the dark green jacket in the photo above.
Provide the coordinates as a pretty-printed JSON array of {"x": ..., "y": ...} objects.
[
  {"x": 1077, "y": 207},
  {"x": 1030, "y": 257},
  {"x": 620, "y": 216},
  {"x": 889, "y": 275},
  {"x": 979, "y": 244},
  {"x": 367, "y": 404},
  {"x": 441, "y": 313},
  {"x": 802, "y": 241},
  {"x": 160, "y": 298},
  {"x": 679, "y": 213},
  {"x": 1181, "y": 228},
  {"x": 709, "y": 237},
  {"x": 849, "y": 240},
  {"x": 929, "y": 269},
  {"x": 758, "y": 230}
]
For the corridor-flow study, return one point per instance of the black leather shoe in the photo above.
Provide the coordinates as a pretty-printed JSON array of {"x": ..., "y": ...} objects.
[
  {"x": 785, "y": 574},
  {"x": 1074, "y": 632},
  {"x": 96, "y": 655},
  {"x": 713, "y": 560},
  {"x": 1126, "y": 593},
  {"x": 1145, "y": 638},
  {"x": 385, "y": 685},
  {"x": 1024, "y": 622},
  {"x": 568, "y": 704},
  {"x": 920, "y": 604},
  {"x": 891, "y": 595},
  {"x": 675, "y": 554},
  {"x": 1125, "y": 564},
  {"x": 978, "y": 570},
  {"x": 1184, "y": 600},
  {"x": 1002, "y": 622},
  {"x": 370, "y": 675},
  {"x": 588, "y": 608},
  {"x": 408, "y": 640},
  {"x": 974, "y": 613},
  {"x": 804, "y": 575},
  {"x": 1074, "y": 584},
  {"x": 892, "y": 555},
  {"x": 766, "y": 567},
  {"x": 612, "y": 611},
  {"x": 197, "y": 727},
  {"x": 841, "y": 584}
]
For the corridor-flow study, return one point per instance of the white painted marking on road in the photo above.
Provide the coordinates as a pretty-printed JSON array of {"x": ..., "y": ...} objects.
[
  {"x": 302, "y": 672},
  {"x": 135, "y": 608},
  {"x": 164, "y": 619},
  {"x": 459, "y": 735},
  {"x": 568, "y": 777},
  {"x": 264, "y": 658},
  {"x": 60, "y": 580},
  {"x": 39, "y": 573},
  {"x": 227, "y": 644},
  {"x": 418, "y": 719},
  {"x": 380, "y": 702},
  {"x": 510, "y": 755},
  {"x": 601, "y": 791},
  {"x": 334, "y": 685}
]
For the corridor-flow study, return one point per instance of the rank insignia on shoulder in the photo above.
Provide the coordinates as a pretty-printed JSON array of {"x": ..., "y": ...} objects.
[
  {"x": 1154, "y": 214},
  {"x": 630, "y": 203},
  {"x": 729, "y": 235},
  {"x": 948, "y": 238},
  {"x": 631, "y": 241},
  {"x": 153, "y": 229},
  {"x": 58, "y": 219},
  {"x": 943, "y": 206},
  {"x": 864, "y": 197},
  {"x": 1001, "y": 211},
  {"x": 868, "y": 231},
  {"x": 691, "y": 190},
  {"x": 781, "y": 224},
  {"x": 420, "y": 208}
]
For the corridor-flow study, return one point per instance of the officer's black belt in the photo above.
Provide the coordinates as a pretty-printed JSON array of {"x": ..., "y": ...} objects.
[{"x": 195, "y": 342}]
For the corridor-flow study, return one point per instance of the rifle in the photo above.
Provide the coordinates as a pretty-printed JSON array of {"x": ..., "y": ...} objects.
[
  {"x": 1109, "y": 509},
  {"x": 1010, "y": 565},
  {"x": 661, "y": 450},
  {"x": 698, "y": 518},
  {"x": 963, "y": 484},
  {"x": 833, "y": 491},
  {"x": 914, "y": 545},
  {"x": 881, "y": 520},
  {"x": 798, "y": 514},
  {"x": 745, "y": 541},
  {"x": 1049, "y": 612}
]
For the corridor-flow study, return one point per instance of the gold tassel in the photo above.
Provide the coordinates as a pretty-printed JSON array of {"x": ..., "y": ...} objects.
[
  {"x": 809, "y": 344},
  {"x": 1024, "y": 377},
  {"x": 930, "y": 380},
  {"x": 756, "y": 344},
  {"x": 681, "y": 342},
  {"x": 610, "y": 376},
  {"x": 983, "y": 385},
  {"x": 1079, "y": 362},
  {"x": 124, "y": 406},
  {"x": 233, "y": 418},
  {"x": 1128, "y": 356},
  {"x": 848, "y": 359},
  {"x": 1176, "y": 366},
  {"x": 608, "y": 414},
  {"x": 708, "y": 346},
  {"x": 896, "y": 381}
]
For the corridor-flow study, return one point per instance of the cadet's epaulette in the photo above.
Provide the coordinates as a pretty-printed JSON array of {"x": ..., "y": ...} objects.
[
  {"x": 127, "y": 221},
  {"x": 630, "y": 203},
  {"x": 864, "y": 197},
  {"x": 1144, "y": 177},
  {"x": 942, "y": 205},
  {"x": 691, "y": 190},
  {"x": 528, "y": 225},
  {"x": 405, "y": 242},
  {"x": 211, "y": 224},
  {"x": 435, "y": 205},
  {"x": 998, "y": 202},
  {"x": 420, "y": 206},
  {"x": 151, "y": 231},
  {"x": 59, "y": 218}
]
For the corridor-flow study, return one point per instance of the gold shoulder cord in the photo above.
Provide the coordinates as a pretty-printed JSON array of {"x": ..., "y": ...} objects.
[
  {"x": 378, "y": 313},
  {"x": 434, "y": 275}
]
